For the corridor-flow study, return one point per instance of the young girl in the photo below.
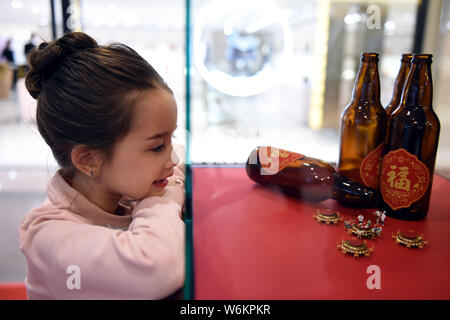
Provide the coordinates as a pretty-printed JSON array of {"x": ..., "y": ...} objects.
[{"x": 108, "y": 118}]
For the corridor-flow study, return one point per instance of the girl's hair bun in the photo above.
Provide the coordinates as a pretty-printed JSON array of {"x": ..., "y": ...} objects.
[
  {"x": 74, "y": 42},
  {"x": 49, "y": 55}
]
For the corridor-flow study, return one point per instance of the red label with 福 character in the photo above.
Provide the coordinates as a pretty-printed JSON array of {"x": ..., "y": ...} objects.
[
  {"x": 370, "y": 167},
  {"x": 273, "y": 160},
  {"x": 404, "y": 179}
]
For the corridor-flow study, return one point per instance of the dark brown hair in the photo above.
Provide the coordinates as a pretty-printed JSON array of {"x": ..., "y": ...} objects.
[{"x": 85, "y": 92}]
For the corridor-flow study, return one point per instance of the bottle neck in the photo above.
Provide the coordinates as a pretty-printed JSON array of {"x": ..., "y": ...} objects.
[
  {"x": 349, "y": 192},
  {"x": 400, "y": 81},
  {"x": 367, "y": 84},
  {"x": 418, "y": 91}
]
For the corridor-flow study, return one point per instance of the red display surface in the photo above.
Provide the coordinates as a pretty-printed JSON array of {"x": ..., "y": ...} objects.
[{"x": 254, "y": 243}]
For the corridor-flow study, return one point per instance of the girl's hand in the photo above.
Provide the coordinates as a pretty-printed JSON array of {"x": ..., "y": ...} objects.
[
  {"x": 172, "y": 191},
  {"x": 175, "y": 189}
]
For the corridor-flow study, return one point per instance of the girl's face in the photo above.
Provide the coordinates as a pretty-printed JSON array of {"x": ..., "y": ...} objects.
[{"x": 145, "y": 154}]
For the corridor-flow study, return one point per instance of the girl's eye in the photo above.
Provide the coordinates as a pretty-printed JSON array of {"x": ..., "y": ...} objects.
[
  {"x": 158, "y": 148},
  {"x": 161, "y": 147}
]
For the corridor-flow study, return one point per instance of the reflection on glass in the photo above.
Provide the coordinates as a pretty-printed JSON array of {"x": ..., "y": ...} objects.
[
  {"x": 242, "y": 94},
  {"x": 240, "y": 47}
]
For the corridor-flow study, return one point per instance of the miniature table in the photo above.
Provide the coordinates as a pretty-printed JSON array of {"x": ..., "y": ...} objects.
[{"x": 250, "y": 242}]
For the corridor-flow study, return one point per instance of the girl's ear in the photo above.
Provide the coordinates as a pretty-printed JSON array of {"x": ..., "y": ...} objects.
[{"x": 87, "y": 160}]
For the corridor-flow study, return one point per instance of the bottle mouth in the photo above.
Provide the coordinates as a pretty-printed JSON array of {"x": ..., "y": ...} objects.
[
  {"x": 369, "y": 56},
  {"x": 407, "y": 57},
  {"x": 422, "y": 56}
]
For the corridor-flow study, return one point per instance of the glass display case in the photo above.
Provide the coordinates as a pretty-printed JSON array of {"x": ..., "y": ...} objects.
[
  {"x": 281, "y": 72},
  {"x": 283, "y": 79}
]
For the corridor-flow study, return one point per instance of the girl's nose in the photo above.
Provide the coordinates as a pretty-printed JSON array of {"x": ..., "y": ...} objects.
[{"x": 173, "y": 160}]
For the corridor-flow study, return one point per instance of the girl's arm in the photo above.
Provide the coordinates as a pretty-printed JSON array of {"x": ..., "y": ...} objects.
[
  {"x": 144, "y": 262},
  {"x": 69, "y": 260}
]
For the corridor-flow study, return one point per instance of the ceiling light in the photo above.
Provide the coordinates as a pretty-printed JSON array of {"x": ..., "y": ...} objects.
[
  {"x": 35, "y": 10},
  {"x": 12, "y": 175},
  {"x": 352, "y": 18},
  {"x": 389, "y": 25},
  {"x": 16, "y": 4}
]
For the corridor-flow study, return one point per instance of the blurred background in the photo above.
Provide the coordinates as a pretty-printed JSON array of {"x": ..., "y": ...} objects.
[{"x": 272, "y": 72}]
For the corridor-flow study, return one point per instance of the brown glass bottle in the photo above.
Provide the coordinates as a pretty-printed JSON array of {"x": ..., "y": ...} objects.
[
  {"x": 405, "y": 66},
  {"x": 363, "y": 127},
  {"x": 408, "y": 165},
  {"x": 305, "y": 177}
]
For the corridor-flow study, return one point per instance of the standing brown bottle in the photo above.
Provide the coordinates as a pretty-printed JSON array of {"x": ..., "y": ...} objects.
[
  {"x": 411, "y": 147},
  {"x": 363, "y": 127},
  {"x": 405, "y": 66},
  {"x": 305, "y": 177}
]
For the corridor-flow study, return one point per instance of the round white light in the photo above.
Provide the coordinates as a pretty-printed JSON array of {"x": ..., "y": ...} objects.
[
  {"x": 12, "y": 175},
  {"x": 242, "y": 28},
  {"x": 43, "y": 22},
  {"x": 35, "y": 10},
  {"x": 16, "y": 4},
  {"x": 352, "y": 18},
  {"x": 348, "y": 74},
  {"x": 389, "y": 25}
]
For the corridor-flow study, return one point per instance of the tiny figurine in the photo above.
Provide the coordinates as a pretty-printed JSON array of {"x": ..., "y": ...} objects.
[
  {"x": 409, "y": 239},
  {"x": 349, "y": 223},
  {"x": 378, "y": 214},
  {"x": 363, "y": 229},
  {"x": 327, "y": 216},
  {"x": 355, "y": 247},
  {"x": 360, "y": 218},
  {"x": 377, "y": 231},
  {"x": 383, "y": 217}
]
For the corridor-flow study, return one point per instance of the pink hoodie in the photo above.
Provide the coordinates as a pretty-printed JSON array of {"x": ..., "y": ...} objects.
[{"x": 75, "y": 250}]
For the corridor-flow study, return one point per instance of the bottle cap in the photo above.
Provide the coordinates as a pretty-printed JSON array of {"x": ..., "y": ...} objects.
[
  {"x": 327, "y": 216},
  {"x": 355, "y": 247},
  {"x": 410, "y": 239}
]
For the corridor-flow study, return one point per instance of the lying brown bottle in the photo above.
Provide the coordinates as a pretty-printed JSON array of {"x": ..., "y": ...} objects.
[{"x": 305, "y": 178}]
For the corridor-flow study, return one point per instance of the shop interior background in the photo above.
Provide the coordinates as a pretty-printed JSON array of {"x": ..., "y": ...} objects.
[{"x": 277, "y": 73}]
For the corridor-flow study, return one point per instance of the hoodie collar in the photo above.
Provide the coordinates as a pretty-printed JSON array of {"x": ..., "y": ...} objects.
[{"x": 63, "y": 196}]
